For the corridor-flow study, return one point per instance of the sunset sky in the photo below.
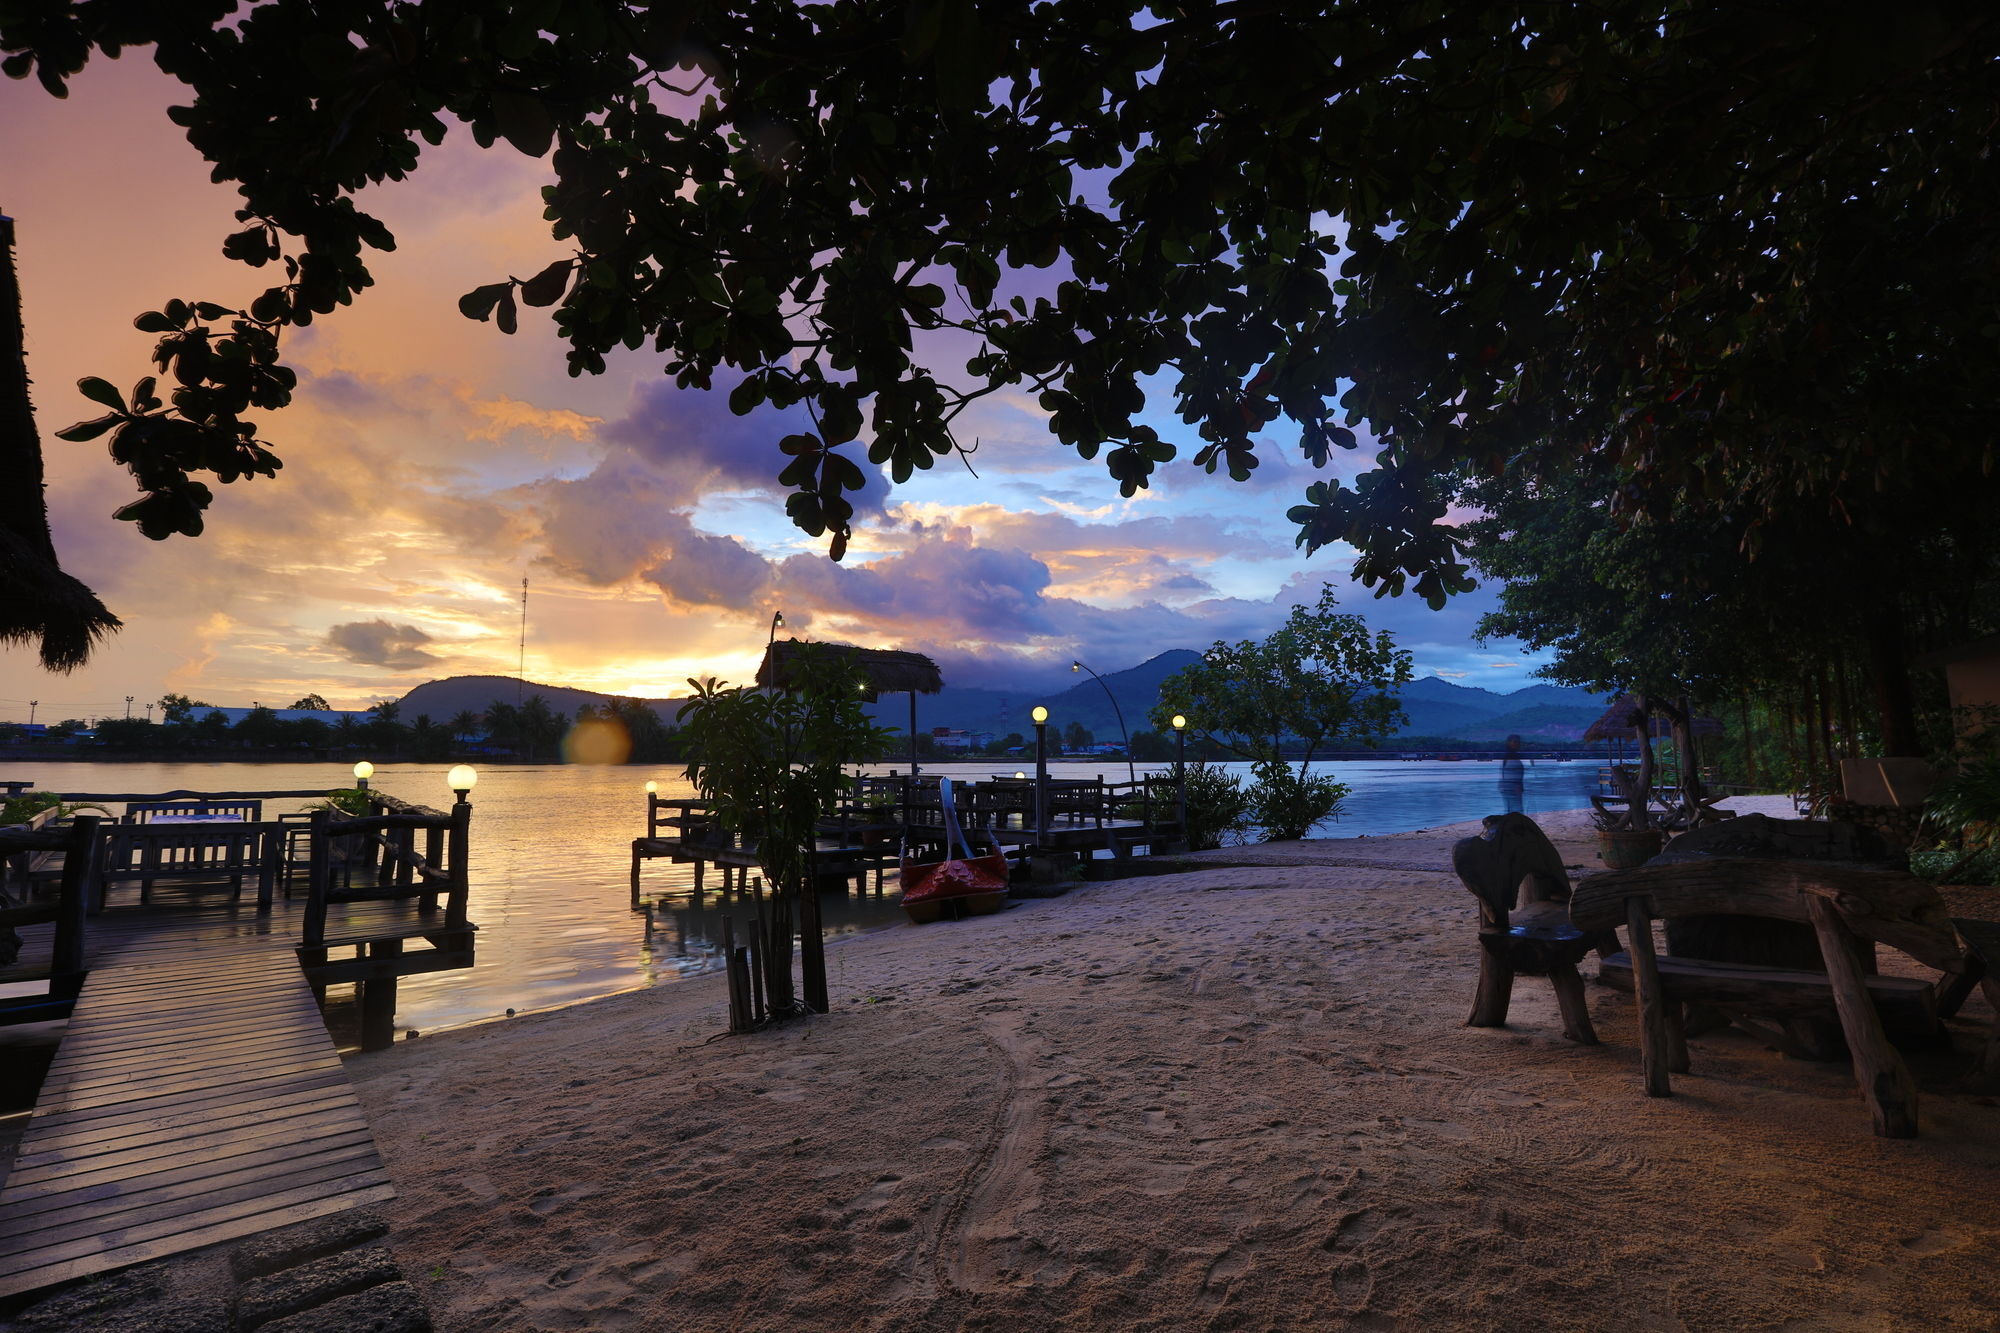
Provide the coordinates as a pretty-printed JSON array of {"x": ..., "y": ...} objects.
[{"x": 432, "y": 463}]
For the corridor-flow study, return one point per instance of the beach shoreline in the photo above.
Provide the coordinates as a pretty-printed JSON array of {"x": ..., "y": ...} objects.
[{"x": 1238, "y": 1097}]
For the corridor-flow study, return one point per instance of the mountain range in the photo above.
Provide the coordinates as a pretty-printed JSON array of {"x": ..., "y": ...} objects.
[{"x": 1435, "y": 706}]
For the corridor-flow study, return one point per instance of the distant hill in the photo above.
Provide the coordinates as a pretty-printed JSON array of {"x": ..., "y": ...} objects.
[
  {"x": 1545, "y": 722},
  {"x": 441, "y": 699},
  {"x": 1137, "y": 689},
  {"x": 1436, "y": 707}
]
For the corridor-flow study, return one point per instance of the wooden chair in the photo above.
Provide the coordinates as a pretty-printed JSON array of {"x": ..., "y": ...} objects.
[
  {"x": 1847, "y": 907},
  {"x": 1514, "y": 851}
]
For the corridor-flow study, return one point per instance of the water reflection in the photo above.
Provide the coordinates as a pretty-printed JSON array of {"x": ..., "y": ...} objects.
[{"x": 551, "y": 855}]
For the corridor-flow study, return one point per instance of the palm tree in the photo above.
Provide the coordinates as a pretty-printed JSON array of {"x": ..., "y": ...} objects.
[
  {"x": 503, "y": 724},
  {"x": 540, "y": 724},
  {"x": 464, "y": 724},
  {"x": 37, "y": 600}
]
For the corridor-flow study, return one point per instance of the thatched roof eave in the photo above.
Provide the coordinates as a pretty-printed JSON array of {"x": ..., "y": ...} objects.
[{"x": 888, "y": 670}]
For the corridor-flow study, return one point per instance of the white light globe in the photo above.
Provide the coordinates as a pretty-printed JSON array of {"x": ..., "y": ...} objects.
[
  {"x": 462, "y": 778},
  {"x": 364, "y": 770}
]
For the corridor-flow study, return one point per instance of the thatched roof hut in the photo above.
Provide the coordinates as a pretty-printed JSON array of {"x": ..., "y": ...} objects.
[
  {"x": 38, "y": 602},
  {"x": 888, "y": 670},
  {"x": 1623, "y": 719}
]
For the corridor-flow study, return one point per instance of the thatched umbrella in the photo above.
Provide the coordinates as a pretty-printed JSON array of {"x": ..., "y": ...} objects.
[
  {"x": 887, "y": 671},
  {"x": 1624, "y": 718},
  {"x": 37, "y": 600},
  {"x": 1633, "y": 716}
]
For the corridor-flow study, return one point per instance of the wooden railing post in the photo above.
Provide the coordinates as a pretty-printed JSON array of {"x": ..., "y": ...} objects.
[
  {"x": 434, "y": 859},
  {"x": 405, "y": 842},
  {"x": 381, "y": 844},
  {"x": 79, "y": 883},
  {"x": 460, "y": 841},
  {"x": 319, "y": 876}
]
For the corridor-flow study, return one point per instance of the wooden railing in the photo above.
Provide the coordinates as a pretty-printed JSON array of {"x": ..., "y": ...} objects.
[
  {"x": 380, "y": 850},
  {"x": 80, "y": 847}
]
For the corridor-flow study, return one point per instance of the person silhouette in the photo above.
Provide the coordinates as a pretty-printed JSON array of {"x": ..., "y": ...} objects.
[{"x": 1513, "y": 776}]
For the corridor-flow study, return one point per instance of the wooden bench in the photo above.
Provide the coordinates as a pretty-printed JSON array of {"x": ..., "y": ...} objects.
[
  {"x": 1844, "y": 905},
  {"x": 147, "y": 853},
  {"x": 1979, "y": 966}
]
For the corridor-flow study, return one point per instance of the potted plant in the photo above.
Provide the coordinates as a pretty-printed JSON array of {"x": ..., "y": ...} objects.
[{"x": 1621, "y": 846}]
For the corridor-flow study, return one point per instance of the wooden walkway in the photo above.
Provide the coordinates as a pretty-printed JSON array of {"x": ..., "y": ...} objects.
[{"x": 196, "y": 1098}]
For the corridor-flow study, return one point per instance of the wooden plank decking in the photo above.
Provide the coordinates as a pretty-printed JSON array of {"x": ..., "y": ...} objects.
[{"x": 196, "y": 1098}]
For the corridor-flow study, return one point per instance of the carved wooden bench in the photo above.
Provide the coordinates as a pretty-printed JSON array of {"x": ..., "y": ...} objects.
[
  {"x": 1844, "y": 905},
  {"x": 1979, "y": 966},
  {"x": 1513, "y": 852}
]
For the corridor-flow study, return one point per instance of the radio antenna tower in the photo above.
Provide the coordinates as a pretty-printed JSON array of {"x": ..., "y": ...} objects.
[{"x": 521, "y": 670}]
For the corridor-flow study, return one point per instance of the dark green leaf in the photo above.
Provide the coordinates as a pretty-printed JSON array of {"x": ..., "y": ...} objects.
[
  {"x": 100, "y": 391},
  {"x": 90, "y": 430}
]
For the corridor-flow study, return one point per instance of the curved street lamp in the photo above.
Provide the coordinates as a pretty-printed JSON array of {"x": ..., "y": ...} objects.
[
  {"x": 1130, "y": 771},
  {"x": 777, "y": 623}
]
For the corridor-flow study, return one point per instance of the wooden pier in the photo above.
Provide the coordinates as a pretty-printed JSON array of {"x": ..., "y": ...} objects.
[
  {"x": 1060, "y": 818},
  {"x": 197, "y": 1096}
]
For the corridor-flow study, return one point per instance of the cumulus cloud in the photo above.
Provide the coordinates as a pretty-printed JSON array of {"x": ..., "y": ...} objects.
[
  {"x": 499, "y": 416},
  {"x": 380, "y": 643},
  {"x": 691, "y": 435},
  {"x": 625, "y": 520}
]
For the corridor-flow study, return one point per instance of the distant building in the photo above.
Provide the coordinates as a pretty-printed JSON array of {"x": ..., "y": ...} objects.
[{"x": 330, "y": 716}]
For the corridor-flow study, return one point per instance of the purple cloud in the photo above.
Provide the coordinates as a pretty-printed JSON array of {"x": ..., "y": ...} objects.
[{"x": 379, "y": 643}]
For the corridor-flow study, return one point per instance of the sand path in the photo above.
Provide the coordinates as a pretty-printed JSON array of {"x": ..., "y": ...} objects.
[{"x": 1235, "y": 1098}]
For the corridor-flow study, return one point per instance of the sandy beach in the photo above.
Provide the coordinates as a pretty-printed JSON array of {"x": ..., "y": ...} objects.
[{"x": 1240, "y": 1097}]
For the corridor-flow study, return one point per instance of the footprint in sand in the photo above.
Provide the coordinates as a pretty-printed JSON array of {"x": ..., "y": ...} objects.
[{"x": 1934, "y": 1240}]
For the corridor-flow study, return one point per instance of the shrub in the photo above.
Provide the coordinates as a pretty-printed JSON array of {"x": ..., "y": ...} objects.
[
  {"x": 22, "y": 808},
  {"x": 1218, "y": 809},
  {"x": 1948, "y": 865},
  {"x": 1286, "y": 803},
  {"x": 1964, "y": 809},
  {"x": 344, "y": 800}
]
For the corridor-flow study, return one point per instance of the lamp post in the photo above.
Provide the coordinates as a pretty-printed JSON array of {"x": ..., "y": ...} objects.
[
  {"x": 1180, "y": 777},
  {"x": 365, "y": 770},
  {"x": 1117, "y": 712},
  {"x": 128, "y": 708},
  {"x": 777, "y": 623},
  {"x": 1041, "y": 716},
  {"x": 459, "y": 842}
]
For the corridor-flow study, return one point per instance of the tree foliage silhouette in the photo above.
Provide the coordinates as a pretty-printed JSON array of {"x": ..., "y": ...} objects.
[{"x": 1659, "y": 244}]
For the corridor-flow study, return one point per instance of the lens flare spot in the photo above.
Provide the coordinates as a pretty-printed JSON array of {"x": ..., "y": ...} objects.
[{"x": 597, "y": 740}]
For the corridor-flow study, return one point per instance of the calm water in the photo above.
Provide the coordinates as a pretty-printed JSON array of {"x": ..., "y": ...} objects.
[{"x": 551, "y": 854}]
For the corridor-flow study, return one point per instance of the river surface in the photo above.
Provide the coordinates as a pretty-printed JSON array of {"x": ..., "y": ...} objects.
[{"x": 551, "y": 855}]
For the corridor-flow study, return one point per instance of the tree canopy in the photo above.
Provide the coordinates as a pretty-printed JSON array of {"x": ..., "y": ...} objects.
[
  {"x": 1321, "y": 678},
  {"x": 1677, "y": 246}
]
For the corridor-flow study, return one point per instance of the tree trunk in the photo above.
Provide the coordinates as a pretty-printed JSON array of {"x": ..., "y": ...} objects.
[
  {"x": 1642, "y": 798},
  {"x": 37, "y": 600},
  {"x": 1895, "y": 707}
]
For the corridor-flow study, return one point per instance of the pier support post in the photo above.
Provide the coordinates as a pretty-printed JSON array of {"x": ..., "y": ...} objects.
[
  {"x": 812, "y": 944},
  {"x": 378, "y": 1001}
]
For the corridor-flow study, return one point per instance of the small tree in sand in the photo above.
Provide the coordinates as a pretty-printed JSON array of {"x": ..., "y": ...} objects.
[
  {"x": 769, "y": 765},
  {"x": 1321, "y": 678}
]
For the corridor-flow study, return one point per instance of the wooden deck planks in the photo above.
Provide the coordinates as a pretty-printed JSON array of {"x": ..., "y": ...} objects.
[{"x": 196, "y": 1098}]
